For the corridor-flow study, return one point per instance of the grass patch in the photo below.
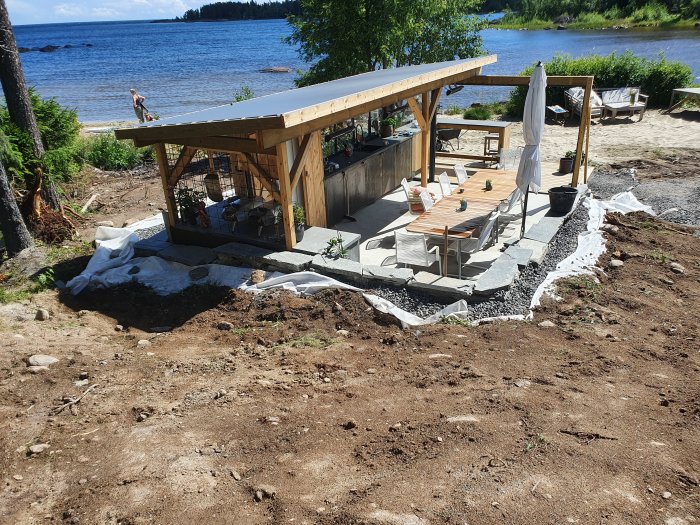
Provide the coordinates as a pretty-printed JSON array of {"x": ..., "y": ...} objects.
[
  {"x": 661, "y": 257},
  {"x": 453, "y": 109},
  {"x": 581, "y": 285},
  {"x": 13, "y": 296},
  {"x": 452, "y": 320}
]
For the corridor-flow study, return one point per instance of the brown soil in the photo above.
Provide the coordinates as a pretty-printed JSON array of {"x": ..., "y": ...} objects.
[{"x": 589, "y": 421}]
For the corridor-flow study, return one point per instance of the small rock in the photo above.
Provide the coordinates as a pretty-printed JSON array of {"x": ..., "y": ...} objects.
[
  {"x": 199, "y": 273},
  {"x": 83, "y": 375},
  {"x": 38, "y": 448},
  {"x": 143, "y": 343},
  {"x": 129, "y": 222},
  {"x": 119, "y": 328},
  {"x": 42, "y": 360},
  {"x": 371, "y": 370},
  {"x": 522, "y": 383},
  {"x": 546, "y": 324},
  {"x": 17, "y": 477},
  {"x": 439, "y": 356},
  {"x": 666, "y": 280},
  {"x": 344, "y": 333},
  {"x": 81, "y": 382},
  {"x": 349, "y": 425},
  {"x": 105, "y": 223},
  {"x": 142, "y": 417},
  {"x": 666, "y": 495},
  {"x": 616, "y": 263},
  {"x": 273, "y": 420},
  {"x": 235, "y": 475},
  {"x": 221, "y": 393},
  {"x": 395, "y": 427},
  {"x": 257, "y": 276},
  {"x": 265, "y": 491},
  {"x": 82, "y": 481},
  {"x": 42, "y": 315},
  {"x": 326, "y": 379},
  {"x": 677, "y": 268},
  {"x": 224, "y": 325}
]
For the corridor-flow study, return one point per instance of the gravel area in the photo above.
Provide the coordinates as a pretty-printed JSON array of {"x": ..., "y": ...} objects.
[{"x": 149, "y": 232}]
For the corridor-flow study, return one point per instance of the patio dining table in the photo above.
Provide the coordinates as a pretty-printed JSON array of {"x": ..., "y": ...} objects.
[{"x": 481, "y": 203}]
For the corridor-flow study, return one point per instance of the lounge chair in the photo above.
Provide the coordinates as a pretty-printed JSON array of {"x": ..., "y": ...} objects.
[
  {"x": 627, "y": 99},
  {"x": 574, "y": 102}
]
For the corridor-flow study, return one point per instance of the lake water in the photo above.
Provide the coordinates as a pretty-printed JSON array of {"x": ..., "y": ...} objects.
[{"x": 187, "y": 67}]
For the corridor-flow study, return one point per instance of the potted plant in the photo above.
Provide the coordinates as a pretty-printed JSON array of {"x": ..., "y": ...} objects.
[
  {"x": 299, "y": 221},
  {"x": 462, "y": 204},
  {"x": 566, "y": 163},
  {"x": 388, "y": 125},
  {"x": 189, "y": 200},
  {"x": 488, "y": 185}
]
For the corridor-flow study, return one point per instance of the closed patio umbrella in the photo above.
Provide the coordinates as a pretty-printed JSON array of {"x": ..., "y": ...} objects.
[{"x": 530, "y": 168}]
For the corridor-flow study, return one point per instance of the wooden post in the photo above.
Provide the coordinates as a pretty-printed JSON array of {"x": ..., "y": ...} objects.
[
  {"x": 585, "y": 158},
  {"x": 425, "y": 140},
  {"x": 290, "y": 238},
  {"x": 314, "y": 189},
  {"x": 585, "y": 121},
  {"x": 168, "y": 191}
]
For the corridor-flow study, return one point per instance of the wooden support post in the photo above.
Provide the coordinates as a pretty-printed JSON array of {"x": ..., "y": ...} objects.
[
  {"x": 314, "y": 188},
  {"x": 290, "y": 238},
  {"x": 168, "y": 190},
  {"x": 585, "y": 121},
  {"x": 585, "y": 157},
  {"x": 425, "y": 141},
  {"x": 300, "y": 160},
  {"x": 186, "y": 155}
]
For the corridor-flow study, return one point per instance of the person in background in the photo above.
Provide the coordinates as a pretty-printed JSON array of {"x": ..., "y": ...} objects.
[{"x": 138, "y": 105}]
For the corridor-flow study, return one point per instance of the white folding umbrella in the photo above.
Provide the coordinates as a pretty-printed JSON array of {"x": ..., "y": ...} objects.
[{"x": 530, "y": 168}]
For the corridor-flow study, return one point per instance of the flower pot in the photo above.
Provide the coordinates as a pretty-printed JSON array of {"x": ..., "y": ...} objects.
[
  {"x": 386, "y": 131},
  {"x": 299, "y": 231},
  {"x": 566, "y": 165},
  {"x": 561, "y": 199},
  {"x": 189, "y": 216},
  {"x": 463, "y": 205}
]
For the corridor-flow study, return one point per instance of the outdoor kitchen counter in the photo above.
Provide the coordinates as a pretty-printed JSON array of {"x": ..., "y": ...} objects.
[{"x": 366, "y": 176}]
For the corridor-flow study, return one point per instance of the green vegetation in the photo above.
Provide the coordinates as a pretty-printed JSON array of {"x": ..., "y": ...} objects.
[
  {"x": 244, "y": 93},
  {"x": 453, "y": 109},
  {"x": 241, "y": 11},
  {"x": 485, "y": 111},
  {"x": 657, "y": 78},
  {"x": 585, "y": 14},
  {"x": 107, "y": 153},
  {"x": 340, "y": 38}
]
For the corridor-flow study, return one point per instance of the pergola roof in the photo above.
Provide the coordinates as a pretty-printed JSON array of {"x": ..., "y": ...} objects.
[{"x": 309, "y": 108}]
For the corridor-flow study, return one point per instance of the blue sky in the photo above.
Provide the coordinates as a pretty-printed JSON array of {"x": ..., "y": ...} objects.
[{"x": 55, "y": 11}]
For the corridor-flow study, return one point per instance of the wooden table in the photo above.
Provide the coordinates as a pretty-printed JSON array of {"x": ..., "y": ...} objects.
[
  {"x": 480, "y": 204},
  {"x": 490, "y": 126},
  {"x": 684, "y": 93}
]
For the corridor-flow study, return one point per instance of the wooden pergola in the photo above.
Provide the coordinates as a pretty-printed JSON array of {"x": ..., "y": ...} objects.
[
  {"x": 277, "y": 138},
  {"x": 286, "y": 127}
]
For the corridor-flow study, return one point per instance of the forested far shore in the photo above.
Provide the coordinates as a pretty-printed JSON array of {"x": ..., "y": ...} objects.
[{"x": 241, "y": 11}]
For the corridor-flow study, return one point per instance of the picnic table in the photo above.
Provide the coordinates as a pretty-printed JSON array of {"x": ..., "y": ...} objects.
[
  {"x": 683, "y": 93},
  {"x": 480, "y": 204},
  {"x": 499, "y": 127}
]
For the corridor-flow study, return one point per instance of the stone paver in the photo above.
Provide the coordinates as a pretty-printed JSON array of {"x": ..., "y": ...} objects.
[
  {"x": 499, "y": 276},
  {"x": 288, "y": 261},
  {"x": 189, "y": 255}
]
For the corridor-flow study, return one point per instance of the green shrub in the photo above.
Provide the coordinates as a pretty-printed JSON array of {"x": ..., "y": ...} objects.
[
  {"x": 107, "y": 153},
  {"x": 657, "y": 78},
  {"x": 652, "y": 12},
  {"x": 478, "y": 113},
  {"x": 453, "y": 109},
  {"x": 63, "y": 163}
]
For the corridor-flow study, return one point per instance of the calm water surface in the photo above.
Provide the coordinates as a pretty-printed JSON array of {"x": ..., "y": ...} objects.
[{"x": 187, "y": 67}]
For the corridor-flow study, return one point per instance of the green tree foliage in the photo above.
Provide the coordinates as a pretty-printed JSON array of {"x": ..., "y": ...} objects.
[
  {"x": 59, "y": 130},
  {"x": 343, "y": 38},
  {"x": 636, "y": 10},
  {"x": 242, "y": 11},
  {"x": 657, "y": 78}
]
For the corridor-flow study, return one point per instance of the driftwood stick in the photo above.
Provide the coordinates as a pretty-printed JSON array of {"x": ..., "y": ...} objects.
[
  {"x": 58, "y": 410},
  {"x": 86, "y": 206}
]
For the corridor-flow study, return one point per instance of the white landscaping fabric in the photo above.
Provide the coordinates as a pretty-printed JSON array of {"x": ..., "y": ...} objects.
[
  {"x": 530, "y": 168},
  {"x": 115, "y": 246}
]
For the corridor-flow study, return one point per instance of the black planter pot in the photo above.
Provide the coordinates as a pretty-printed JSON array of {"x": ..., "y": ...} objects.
[
  {"x": 189, "y": 216},
  {"x": 561, "y": 199},
  {"x": 566, "y": 165},
  {"x": 299, "y": 230}
]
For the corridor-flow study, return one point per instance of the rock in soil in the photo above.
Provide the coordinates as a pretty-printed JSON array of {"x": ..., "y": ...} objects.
[
  {"x": 42, "y": 315},
  {"x": 42, "y": 360}
]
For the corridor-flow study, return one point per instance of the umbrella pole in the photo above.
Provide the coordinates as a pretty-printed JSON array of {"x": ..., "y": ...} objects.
[
  {"x": 444, "y": 264},
  {"x": 522, "y": 226}
]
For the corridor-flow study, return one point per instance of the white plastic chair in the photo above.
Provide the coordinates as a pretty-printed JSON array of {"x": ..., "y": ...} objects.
[
  {"x": 444, "y": 181},
  {"x": 461, "y": 172},
  {"x": 426, "y": 200},
  {"x": 488, "y": 233},
  {"x": 508, "y": 159},
  {"x": 412, "y": 249}
]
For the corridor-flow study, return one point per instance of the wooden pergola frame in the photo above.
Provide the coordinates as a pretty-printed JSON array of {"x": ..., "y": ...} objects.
[{"x": 584, "y": 129}]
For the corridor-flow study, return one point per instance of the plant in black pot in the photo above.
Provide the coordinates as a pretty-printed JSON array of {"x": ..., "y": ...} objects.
[
  {"x": 388, "y": 125},
  {"x": 299, "y": 221},
  {"x": 188, "y": 200},
  {"x": 566, "y": 163}
]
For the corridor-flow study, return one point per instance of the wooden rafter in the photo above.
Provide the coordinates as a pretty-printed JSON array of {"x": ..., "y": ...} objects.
[
  {"x": 300, "y": 160},
  {"x": 434, "y": 99},
  {"x": 186, "y": 155},
  {"x": 417, "y": 113},
  {"x": 217, "y": 143},
  {"x": 262, "y": 175},
  {"x": 519, "y": 80}
]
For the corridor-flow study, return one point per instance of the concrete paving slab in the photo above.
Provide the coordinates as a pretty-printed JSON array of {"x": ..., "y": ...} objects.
[
  {"x": 288, "y": 261},
  {"x": 386, "y": 274},
  {"x": 189, "y": 255},
  {"x": 345, "y": 268},
  {"x": 519, "y": 254},
  {"x": 545, "y": 230},
  {"x": 235, "y": 253},
  {"x": 498, "y": 277},
  {"x": 446, "y": 288},
  {"x": 539, "y": 249},
  {"x": 316, "y": 240}
]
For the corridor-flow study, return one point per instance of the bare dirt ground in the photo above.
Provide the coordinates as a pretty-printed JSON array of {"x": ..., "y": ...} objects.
[{"x": 216, "y": 406}]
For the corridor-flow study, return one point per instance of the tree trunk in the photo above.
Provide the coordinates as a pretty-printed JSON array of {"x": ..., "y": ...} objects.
[
  {"x": 14, "y": 230},
  {"x": 19, "y": 104}
]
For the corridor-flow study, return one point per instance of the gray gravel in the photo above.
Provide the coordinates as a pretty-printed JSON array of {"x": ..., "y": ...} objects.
[{"x": 149, "y": 232}]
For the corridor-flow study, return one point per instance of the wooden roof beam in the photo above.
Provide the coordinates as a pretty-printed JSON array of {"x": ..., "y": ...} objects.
[
  {"x": 519, "y": 80},
  {"x": 214, "y": 143},
  {"x": 300, "y": 161}
]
